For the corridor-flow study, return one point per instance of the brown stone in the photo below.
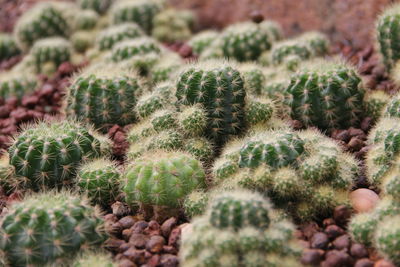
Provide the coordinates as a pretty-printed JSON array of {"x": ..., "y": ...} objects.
[
  {"x": 328, "y": 221},
  {"x": 135, "y": 255},
  {"x": 358, "y": 251},
  {"x": 167, "y": 226},
  {"x": 155, "y": 244},
  {"x": 127, "y": 222},
  {"x": 342, "y": 214},
  {"x": 333, "y": 231},
  {"x": 319, "y": 240},
  {"x": 175, "y": 237},
  {"x": 113, "y": 244},
  {"x": 126, "y": 234},
  {"x": 335, "y": 258},
  {"x": 312, "y": 256},
  {"x": 342, "y": 242},
  {"x": 364, "y": 263},
  {"x": 169, "y": 260},
  {"x": 126, "y": 263},
  {"x": 153, "y": 228},
  {"x": 139, "y": 227},
  {"x": 363, "y": 200},
  {"x": 138, "y": 240},
  {"x": 384, "y": 263}
]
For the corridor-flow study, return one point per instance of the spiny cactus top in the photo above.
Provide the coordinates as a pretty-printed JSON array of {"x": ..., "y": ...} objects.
[
  {"x": 388, "y": 35},
  {"x": 282, "y": 51},
  {"x": 244, "y": 41},
  {"x": 219, "y": 87},
  {"x": 85, "y": 20},
  {"x": 49, "y": 228},
  {"x": 318, "y": 43},
  {"x": 104, "y": 96},
  {"x": 387, "y": 238},
  {"x": 94, "y": 259},
  {"x": 137, "y": 47},
  {"x": 8, "y": 46},
  {"x": 47, "y": 154},
  {"x": 16, "y": 84},
  {"x": 202, "y": 40},
  {"x": 100, "y": 6},
  {"x": 273, "y": 29},
  {"x": 393, "y": 106},
  {"x": 254, "y": 77},
  {"x": 140, "y": 11},
  {"x": 43, "y": 20},
  {"x": 327, "y": 95},
  {"x": 377, "y": 102},
  {"x": 109, "y": 37},
  {"x": 237, "y": 210}
]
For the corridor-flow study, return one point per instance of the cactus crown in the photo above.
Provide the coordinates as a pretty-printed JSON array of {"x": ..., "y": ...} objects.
[
  {"x": 8, "y": 46},
  {"x": 92, "y": 259},
  {"x": 100, "y": 6},
  {"x": 202, "y": 40},
  {"x": 15, "y": 84},
  {"x": 107, "y": 38}
]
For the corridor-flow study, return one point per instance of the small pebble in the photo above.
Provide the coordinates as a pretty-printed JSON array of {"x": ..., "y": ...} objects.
[
  {"x": 155, "y": 244},
  {"x": 358, "y": 251},
  {"x": 319, "y": 240},
  {"x": 312, "y": 256},
  {"x": 342, "y": 242},
  {"x": 364, "y": 263},
  {"x": 363, "y": 200},
  {"x": 333, "y": 231}
]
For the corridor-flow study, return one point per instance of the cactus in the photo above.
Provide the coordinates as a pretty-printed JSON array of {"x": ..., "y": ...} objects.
[
  {"x": 100, "y": 6},
  {"x": 202, "y": 40},
  {"x": 281, "y": 52},
  {"x": 244, "y": 41},
  {"x": 49, "y": 228},
  {"x": 13, "y": 84},
  {"x": 162, "y": 181},
  {"x": 141, "y": 12},
  {"x": 104, "y": 96},
  {"x": 107, "y": 38},
  {"x": 387, "y": 35},
  {"x": 213, "y": 51},
  {"x": 239, "y": 210},
  {"x": 46, "y": 155},
  {"x": 43, "y": 20},
  {"x": 387, "y": 238},
  {"x": 273, "y": 29},
  {"x": 164, "y": 120},
  {"x": 92, "y": 259},
  {"x": 317, "y": 42},
  {"x": 327, "y": 95},
  {"x": 165, "y": 69},
  {"x": 254, "y": 78},
  {"x": 195, "y": 203},
  {"x": 199, "y": 147},
  {"x": 8, "y": 46},
  {"x": 137, "y": 47},
  {"x": 393, "y": 105},
  {"x": 166, "y": 140},
  {"x": 82, "y": 40},
  {"x": 99, "y": 180},
  {"x": 220, "y": 89},
  {"x": 50, "y": 53},
  {"x": 375, "y": 102},
  {"x": 172, "y": 25},
  {"x": 259, "y": 111},
  {"x": 193, "y": 120},
  {"x": 148, "y": 104},
  {"x": 86, "y": 20}
]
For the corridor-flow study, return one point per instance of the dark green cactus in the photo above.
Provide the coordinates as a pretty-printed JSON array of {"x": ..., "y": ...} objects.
[
  {"x": 273, "y": 29},
  {"x": 259, "y": 111},
  {"x": 100, "y": 6},
  {"x": 393, "y": 105},
  {"x": 196, "y": 203},
  {"x": 8, "y": 46},
  {"x": 193, "y": 120},
  {"x": 105, "y": 96},
  {"x": 137, "y": 47},
  {"x": 166, "y": 68},
  {"x": 220, "y": 89},
  {"x": 49, "y": 228},
  {"x": 375, "y": 102},
  {"x": 387, "y": 238},
  {"x": 254, "y": 78},
  {"x": 199, "y": 147},
  {"x": 47, "y": 155},
  {"x": 107, "y": 38},
  {"x": 318, "y": 43},
  {"x": 202, "y": 40}
]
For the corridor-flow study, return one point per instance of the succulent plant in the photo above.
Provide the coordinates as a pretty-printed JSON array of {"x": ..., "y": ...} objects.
[
  {"x": 273, "y": 29},
  {"x": 112, "y": 35},
  {"x": 43, "y": 20},
  {"x": 317, "y": 42},
  {"x": 196, "y": 203},
  {"x": 220, "y": 89},
  {"x": 387, "y": 238},
  {"x": 49, "y": 53},
  {"x": 202, "y": 40},
  {"x": 164, "y": 120},
  {"x": 92, "y": 259},
  {"x": 393, "y": 105},
  {"x": 49, "y": 228},
  {"x": 375, "y": 102},
  {"x": 165, "y": 69},
  {"x": 282, "y": 52},
  {"x": 8, "y": 46},
  {"x": 14, "y": 84},
  {"x": 169, "y": 140},
  {"x": 172, "y": 25},
  {"x": 99, "y": 180},
  {"x": 86, "y": 20},
  {"x": 387, "y": 35},
  {"x": 141, "y": 12},
  {"x": 148, "y": 104},
  {"x": 82, "y": 40},
  {"x": 327, "y": 95},
  {"x": 137, "y": 47},
  {"x": 199, "y": 147},
  {"x": 160, "y": 184},
  {"x": 254, "y": 78},
  {"x": 193, "y": 120},
  {"x": 46, "y": 155},
  {"x": 244, "y": 41},
  {"x": 100, "y": 6},
  {"x": 104, "y": 96},
  {"x": 259, "y": 111}
]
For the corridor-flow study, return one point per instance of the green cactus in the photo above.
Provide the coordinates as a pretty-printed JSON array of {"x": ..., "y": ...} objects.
[
  {"x": 202, "y": 40},
  {"x": 273, "y": 29},
  {"x": 82, "y": 40},
  {"x": 220, "y": 89},
  {"x": 387, "y": 238},
  {"x": 43, "y": 20},
  {"x": 8, "y": 46},
  {"x": 393, "y": 105},
  {"x": 14, "y": 84},
  {"x": 166, "y": 68},
  {"x": 148, "y": 104},
  {"x": 50, "y": 53},
  {"x": 92, "y": 259},
  {"x": 196, "y": 203},
  {"x": 254, "y": 78},
  {"x": 327, "y": 95},
  {"x": 375, "y": 102},
  {"x": 387, "y": 35},
  {"x": 104, "y": 96},
  {"x": 166, "y": 140},
  {"x": 317, "y": 42},
  {"x": 193, "y": 120},
  {"x": 141, "y": 12},
  {"x": 49, "y": 228},
  {"x": 86, "y": 20},
  {"x": 282, "y": 51},
  {"x": 199, "y": 147},
  {"x": 164, "y": 120},
  {"x": 162, "y": 181},
  {"x": 213, "y": 51},
  {"x": 107, "y": 38},
  {"x": 99, "y": 179},
  {"x": 259, "y": 111},
  {"x": 100, "y": 6},
  {"x": 46, "y": 155},
  {"x": 141, "y": 130},
  {"x": 137, "y": 47},
  {"x": 245, "y": 41}
]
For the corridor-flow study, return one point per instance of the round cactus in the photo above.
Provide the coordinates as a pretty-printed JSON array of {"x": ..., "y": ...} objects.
[
  {"x": 327, "y": 95},
  {"x": 166, "y": 140},
  {"x": 393, "y": 105},
  {"x": 375, "y": 102},
  {"x": 254, "y": 78},
  {"x": 317, "y": 42},
  {"x": 172, "y": 25},
  {"x": 362, "y": 227},
  {"x": 193, "y": 120},
  {"x": 162, "y": 181},
  {"x": 259, "y": 111},
  {"x": 141, "y": 130},
  {"x": 105, "y": 96},
  {"x": 82, "y": 40},
  {"x": 195, "y": 203},
  {"x": 109, "y": 37},
  {"x": 387, "y": 238},
  {"x": 164, "y": 120},
  {"x": 137, "y": 47},
  {"x": 141, "y": 12},
  {"x": 273, "y": 29},
  {"x": 92, "y": 259},
  {"x": 220, "y": 89},
  {"x": 202, "y": 40},
  {"x": 388, "y": 36},
  {"x": 49, "y": 53},
  {"x": 13, "y": 84},
  {"x": 199, "y": 147},
  {"x": 8, "y": 46},
  {"x": 100, "y": 6},
  {"x": 43, "y": 20},
  {"x": 244, "y": 41},
  {"x": 165, "y": 69},
  {"x": 281, "y": 52},
  {"x": 99, "y": 180},
  {"x": 46, "y": 155},
  {"x": 238, "y": 210},
  {"x": 148, "y": 104},
  {"x": 86, "y": 20},
  {"x": 49, "y": 228}
]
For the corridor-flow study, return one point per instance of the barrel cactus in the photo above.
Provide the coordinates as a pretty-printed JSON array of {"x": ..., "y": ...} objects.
[
  {"x": 254, "y": 78},
  {"x": 387, "y": 238},
  {"x": 282, "y": 52},
  {"x": 375, "y": 102},
  {"x": 173, "y": 25},
  {"x": 86, "y": 20},
  {"x": 108, "y": 37},
  {"x": 393, "y": 106},
  {"x": 137, "y": 47},
  {"x": 317, "y": 42},
  {"x": 91, "y": 259},
  {"x": 13, "y": 84},
  {"x": 202, "y": 40},
  {"x": 49, "y": 228},
  {"x": 100, "y": 6},
  {"x": 104, "y": 96},
  {"x": 8, "y": 46},
  {"x": 259, "y": 111}
]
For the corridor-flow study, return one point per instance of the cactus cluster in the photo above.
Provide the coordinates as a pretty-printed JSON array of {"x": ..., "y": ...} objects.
[
  {"x": 239, "y": 230},
  {"x": 86, "y": 20},
  {"x": 49, "y": 228},
  {"x": 172, "y": 25},
  {"x": 8, "y": 46}
]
